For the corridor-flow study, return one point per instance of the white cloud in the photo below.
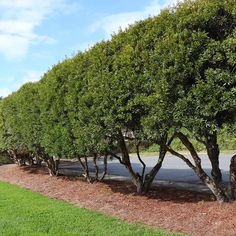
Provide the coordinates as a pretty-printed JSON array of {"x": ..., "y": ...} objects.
[
  {"x": 4, "y": 92},
  {"x": 14, "y": 84},
  {"x": 84, "y": 46},
  {"x": 13, "y": 46},
  {"x": 29, "y": 76},
  {"x": 111, "y": 24},
  {"x": 18, "y": 21},
  {"x": 32, "y": 76}
]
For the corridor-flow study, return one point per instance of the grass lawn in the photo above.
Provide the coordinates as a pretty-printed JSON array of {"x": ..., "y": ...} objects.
[
  {"x": 185, "y": 152},
  {"x": 23, "y": 212}
]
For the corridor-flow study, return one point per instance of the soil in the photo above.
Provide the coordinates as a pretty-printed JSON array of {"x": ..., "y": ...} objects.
[{"x": 175, "y": 210}]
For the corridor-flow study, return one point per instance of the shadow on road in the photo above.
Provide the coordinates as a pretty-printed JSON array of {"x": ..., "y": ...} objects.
[
  {"x": 171, "y": 184},
  {"x": 167, "y": 194}
]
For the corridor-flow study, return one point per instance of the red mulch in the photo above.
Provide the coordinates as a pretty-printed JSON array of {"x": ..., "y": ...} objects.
[{"x": 174, "y": 210}]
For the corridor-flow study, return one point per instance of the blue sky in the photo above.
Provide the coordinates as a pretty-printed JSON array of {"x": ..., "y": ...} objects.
[{"x": 36, "y": 34}]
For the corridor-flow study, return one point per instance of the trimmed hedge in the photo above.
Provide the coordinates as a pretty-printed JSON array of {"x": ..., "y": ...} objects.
[{"x": 168, "y": 77}]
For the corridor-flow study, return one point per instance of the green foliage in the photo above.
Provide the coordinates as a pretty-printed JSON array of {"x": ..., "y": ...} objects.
[
  {"x": 226, "y": 142},
  {"x": 210, "y": 102},
  {"x": 227, "y": 139},
  {"x": 55, "y": 137},
  {"x": 28, "y": 115},
  {"x": 11, "y": 137},
  {"x": 4, "y": 159},
  {"x": 168, "y": 73}
]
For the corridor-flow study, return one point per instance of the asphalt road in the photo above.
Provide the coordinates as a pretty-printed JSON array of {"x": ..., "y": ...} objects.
[{"x": 173, "y": 168}]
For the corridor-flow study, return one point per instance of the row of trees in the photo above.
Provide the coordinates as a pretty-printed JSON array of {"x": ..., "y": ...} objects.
[{"x": 164, "y": 78}]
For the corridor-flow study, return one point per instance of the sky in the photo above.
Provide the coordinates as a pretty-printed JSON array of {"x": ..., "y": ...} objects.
[{"x": 37, "y": 34}]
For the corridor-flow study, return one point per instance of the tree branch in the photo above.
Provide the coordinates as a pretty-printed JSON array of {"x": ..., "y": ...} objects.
[
  {"x": 117, "y": 157},
  {"x": 182, "y": 157},
  {"x": 143, "y": 164}
]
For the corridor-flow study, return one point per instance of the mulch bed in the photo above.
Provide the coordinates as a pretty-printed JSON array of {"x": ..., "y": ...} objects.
[{"x": 175, "y": 210}]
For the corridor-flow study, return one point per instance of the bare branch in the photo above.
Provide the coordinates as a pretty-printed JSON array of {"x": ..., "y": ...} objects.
[
  {"x": 85, "y": 168},
  {"x": 182, "y": 157},
  {"x": 105, "y": 168},
  {"x": 201, "y": 141},
  {"x": 117, "y": 157},
  {"x": 143, "y": 164},
  {"x": 171, "y": 139},
  {"x": 232, "y": 178},
  {"x": 95, "y": 166},
  {"x": 183, "y": 138}
]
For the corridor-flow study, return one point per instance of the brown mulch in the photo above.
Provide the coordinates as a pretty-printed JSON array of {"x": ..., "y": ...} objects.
[{"x": 168, "y": 208}]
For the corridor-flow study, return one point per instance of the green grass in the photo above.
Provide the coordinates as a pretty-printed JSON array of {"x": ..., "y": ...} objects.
[
  {"x": 185, "y": 152},
  {"x": 23, "y": 212}
]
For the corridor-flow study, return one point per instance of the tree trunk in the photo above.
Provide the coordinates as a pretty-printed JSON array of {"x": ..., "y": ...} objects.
[
  {"x": 232, "y": 178},
  {"x": 52, "y": 165},
  {"x": 139, "y": 187},
  {"x": 95, "y": 166},
  {"x": 216, "y": 189},
  {"x": 213, "y": 153},
  {"x": 37, "y": 160},
  {"x": 135, "y": 177},
  {"x": 31, "y": 162},
  {"x": 212, "y": 184},
  {"x": 105, "y": 168},
  {"x": 151, "y": 175},
  {"x": 85, "y": 169},
  {"x": 15, "y": 157}
]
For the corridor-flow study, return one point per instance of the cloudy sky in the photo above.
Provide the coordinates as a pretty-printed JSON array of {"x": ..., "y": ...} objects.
[{"x": 36, "y": 34}]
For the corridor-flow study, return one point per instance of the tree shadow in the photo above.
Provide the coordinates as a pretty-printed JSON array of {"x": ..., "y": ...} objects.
[
  {"x": 42, "y": 170},
  {"x": 159, "y": 193},
  {"x": 35, "y": 169},
  {"x": 165, "y": 193},
  {"x": 162, "y": 193}
]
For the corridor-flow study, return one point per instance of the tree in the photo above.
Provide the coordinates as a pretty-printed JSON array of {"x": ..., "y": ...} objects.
[
  {"x": 207, "y": 100},
  {"x": 168, "y": 77},
  {"x": 120, "y": 80}
]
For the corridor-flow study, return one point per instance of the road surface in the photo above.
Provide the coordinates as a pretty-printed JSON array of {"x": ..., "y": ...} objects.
[{"x": 173, "y": 168}]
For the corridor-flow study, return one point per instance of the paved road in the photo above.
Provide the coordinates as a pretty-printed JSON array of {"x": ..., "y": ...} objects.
[{"x": 173, "y": 169}]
